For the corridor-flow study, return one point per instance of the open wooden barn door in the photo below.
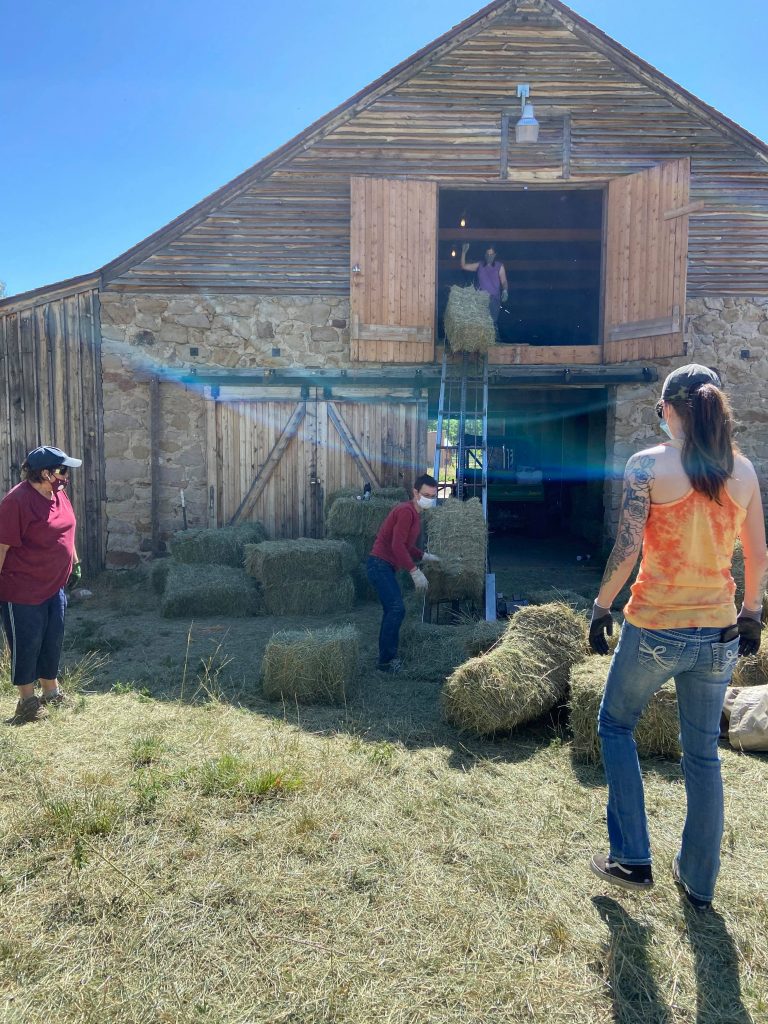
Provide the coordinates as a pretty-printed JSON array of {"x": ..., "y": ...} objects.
[
  {"x": 646, "y": 260},
  {"x": 393, "y": 264}
]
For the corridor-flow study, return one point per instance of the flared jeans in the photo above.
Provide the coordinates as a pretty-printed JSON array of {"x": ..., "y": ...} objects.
[{"x": 701, "y": 666}]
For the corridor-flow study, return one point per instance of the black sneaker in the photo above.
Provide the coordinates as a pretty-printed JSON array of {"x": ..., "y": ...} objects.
[
  {"x": 696, "y": 902},
  {"x": 635, "y": 877},
  {"x": 391, "y": 667}
]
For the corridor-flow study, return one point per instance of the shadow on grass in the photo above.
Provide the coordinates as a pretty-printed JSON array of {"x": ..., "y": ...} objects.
[
  {"x": 716, "y": 961},
  {"x": 634, "y": 992},
  {"x": 592, "y": 774}
]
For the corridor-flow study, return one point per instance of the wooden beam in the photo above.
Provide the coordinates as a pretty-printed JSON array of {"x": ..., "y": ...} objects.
[
  {"x": 645, "y": 328},
  {"x": 682, "y": 210},
  {"x": 262, "y": 477},
  {"x": 352, "y": 447},
  {"x": 518, "y": 235}
]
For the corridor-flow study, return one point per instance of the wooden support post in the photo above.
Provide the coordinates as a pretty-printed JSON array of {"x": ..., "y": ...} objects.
[{"x": 266, "y": 471}]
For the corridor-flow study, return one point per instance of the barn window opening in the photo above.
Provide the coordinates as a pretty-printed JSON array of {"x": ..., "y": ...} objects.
[{"x": 549, "y": 241}]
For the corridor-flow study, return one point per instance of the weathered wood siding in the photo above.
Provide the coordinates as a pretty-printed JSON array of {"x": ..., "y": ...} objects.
[
  {"x": 329, "y": 443},
  {"x": 286, "y": 228},
  {"x": 50, "y": 393}
]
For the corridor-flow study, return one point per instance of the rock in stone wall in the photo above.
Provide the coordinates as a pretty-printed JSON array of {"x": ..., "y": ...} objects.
[
  {"x": 729, "y": 334},
  {"x": 144, "y": 335}
]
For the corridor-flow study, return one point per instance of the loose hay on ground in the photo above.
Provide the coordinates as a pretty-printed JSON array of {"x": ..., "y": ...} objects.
[
  {"x": 657, "y": 731},
  {"x": 311, "y": 666},
  {"x": 458, "y": 535},
  {"x": 467, "y": 320},
  {"x": 522, "y": 677},
  {"x": 193, "y": 590},
  {"x": 221, "y": 546}
]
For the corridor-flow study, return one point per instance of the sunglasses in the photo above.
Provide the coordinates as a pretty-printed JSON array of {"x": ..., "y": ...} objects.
[{"x": 60, "y": 471}]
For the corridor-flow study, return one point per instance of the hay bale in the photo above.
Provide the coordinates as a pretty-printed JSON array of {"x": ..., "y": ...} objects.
[
  {"x": 432, "y": 652},
  {"x": 522, "y": 677},
  {"x": 158, "y": 574},
  {"x": 211, "y": 590},
  {"x": 310, "y": 597},
  {"x": 221, "y": 546},
  {"x": 481, "y": 637},
  {"x": 280, "y": 562},
  {"x": 458, "y": 535},
  {"x": 388, "y": 493},
  {"x": 311, "y": 666},
  {"x": 358, "y": 522},
  {"x": 578, "y": 602},
  {"x": 467, "y": 320},
  {"x": 753, "y": 671},
  {"x": 656, "y": 734}
]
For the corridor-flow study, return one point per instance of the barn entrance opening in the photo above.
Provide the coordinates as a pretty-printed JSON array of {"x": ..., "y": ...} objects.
[
  {"x": 549, "y": 241},
  {"x": 546, "y": 453}
]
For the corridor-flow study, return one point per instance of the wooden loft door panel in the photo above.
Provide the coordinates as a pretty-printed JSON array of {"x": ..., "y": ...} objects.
[
  {"x": 646, "y": 260},
  {"x": 393, "y": 248}
]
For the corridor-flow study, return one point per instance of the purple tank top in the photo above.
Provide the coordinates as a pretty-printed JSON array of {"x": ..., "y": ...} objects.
[{"x": 488, "y": 279}]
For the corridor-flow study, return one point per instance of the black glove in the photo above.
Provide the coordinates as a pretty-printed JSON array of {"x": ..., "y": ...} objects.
[
  {"x": 600, "y": 628},
  {"x": 75, "y": 576},
  {"x": 749, "y": 631}
]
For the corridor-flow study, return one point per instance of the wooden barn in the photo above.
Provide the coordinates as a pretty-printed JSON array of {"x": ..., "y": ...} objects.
[{"x": 283, "y": 338}]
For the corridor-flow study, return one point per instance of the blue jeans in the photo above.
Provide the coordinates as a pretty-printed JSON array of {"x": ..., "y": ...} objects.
[
  {"x": 701, "y": 666},
  {"x": 35, "y": 633},
  {"x": 382, "y": 578}
]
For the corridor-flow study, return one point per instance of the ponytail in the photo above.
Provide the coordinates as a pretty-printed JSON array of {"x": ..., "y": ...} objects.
[{"x": 708, "y": 447}]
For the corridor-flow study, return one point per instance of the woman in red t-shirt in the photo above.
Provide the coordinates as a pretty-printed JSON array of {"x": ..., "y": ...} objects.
[{"x": 37, "y": 559}]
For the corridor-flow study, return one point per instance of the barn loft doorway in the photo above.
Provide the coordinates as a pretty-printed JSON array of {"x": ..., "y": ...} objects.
[
  {"x": 550, "y": 243},
  {"x": 546, "y": 462}
]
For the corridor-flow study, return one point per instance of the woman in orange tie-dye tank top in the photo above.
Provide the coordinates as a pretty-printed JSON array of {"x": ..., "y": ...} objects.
[{"x": 684, "y": 503}]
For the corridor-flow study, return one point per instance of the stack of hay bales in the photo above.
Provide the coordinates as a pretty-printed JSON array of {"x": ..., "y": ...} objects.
[
  {"x": 522, "y": 677},
  {"x": 467, "y": 320},
  {"x": 389, "y": 493},
  {"x": 304, "y": 576},
  {"x": 205, "y": 575},
  {"x": 458, "y": 535},
  {"x": 311, "y": 666},
  {"x": 656, "y": 734},
  {"x": 357, "y": 523}
]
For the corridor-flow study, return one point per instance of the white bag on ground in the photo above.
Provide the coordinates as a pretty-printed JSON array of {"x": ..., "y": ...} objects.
[{"x": 746, "y": 709}]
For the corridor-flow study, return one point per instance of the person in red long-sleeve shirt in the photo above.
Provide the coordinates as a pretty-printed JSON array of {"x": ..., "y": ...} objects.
[{"x": 395, "y": 548}]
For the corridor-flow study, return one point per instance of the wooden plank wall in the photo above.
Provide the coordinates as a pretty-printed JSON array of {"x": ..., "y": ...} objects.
[
  {"x": 394, "y": 238},
  {"x": 50, "y": 393},
  {"x": 391, "y": 432},
  {"x": 290, "y": 232}
]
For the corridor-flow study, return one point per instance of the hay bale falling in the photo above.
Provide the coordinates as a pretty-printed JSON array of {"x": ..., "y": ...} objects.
[
  {"x": 221, "y": 546},
  {"x": 311, "y": 666},
  {"x": 358, "y": 522},
  {"x": 522, "y": 677},
  {"x": 219, "y": 590},
  {"x": 458, "y": 535},
  {"x": 304, "y": 576},
  {"x": 656, "y": 734},
  {"x": 467, "y": 320}
]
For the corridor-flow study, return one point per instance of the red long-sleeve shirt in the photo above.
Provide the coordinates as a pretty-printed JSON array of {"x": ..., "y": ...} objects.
[{"x": 396, "y": 540}]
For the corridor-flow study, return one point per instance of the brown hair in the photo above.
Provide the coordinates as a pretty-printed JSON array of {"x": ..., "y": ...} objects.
[
  {"x": 708, "y": 446},
  {"x": 35, "y": 476}
]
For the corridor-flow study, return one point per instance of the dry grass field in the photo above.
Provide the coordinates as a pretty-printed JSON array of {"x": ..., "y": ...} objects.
[{"x": 174, "y": 849}]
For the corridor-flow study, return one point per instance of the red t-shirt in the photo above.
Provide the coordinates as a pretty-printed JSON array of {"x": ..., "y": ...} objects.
[
  {"x": 396, "y": 540},
  {"x": 40, "y": 535}
]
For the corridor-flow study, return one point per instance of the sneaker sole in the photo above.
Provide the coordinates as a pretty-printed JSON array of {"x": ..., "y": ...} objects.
[{"x": 620, "y": 883}]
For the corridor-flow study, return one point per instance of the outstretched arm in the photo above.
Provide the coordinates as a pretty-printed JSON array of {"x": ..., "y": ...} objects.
[
  {"x": 462, "y": 263},
  {"x": 635, "y": 506}
]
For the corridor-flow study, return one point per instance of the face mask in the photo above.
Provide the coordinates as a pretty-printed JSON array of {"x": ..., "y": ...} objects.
[
  {"x": 57, "y": 484},
  {"x": 665, "y": 427},
  {"x": 427, "y": 502}
]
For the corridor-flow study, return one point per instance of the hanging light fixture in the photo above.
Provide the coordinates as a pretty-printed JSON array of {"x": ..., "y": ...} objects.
[
  {"x": 527, "y": 128},
  {"x": 463, "y": 221}
]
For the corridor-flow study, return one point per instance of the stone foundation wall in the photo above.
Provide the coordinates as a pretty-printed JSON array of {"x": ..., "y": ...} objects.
[
  {"x": 147, "y": 335},
  {"x": 729, "y": 334}
]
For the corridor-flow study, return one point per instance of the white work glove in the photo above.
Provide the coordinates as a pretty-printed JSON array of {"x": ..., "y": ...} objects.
[
  {"x": 420, "y": 581},
  {"x": 429, "y": 557}
]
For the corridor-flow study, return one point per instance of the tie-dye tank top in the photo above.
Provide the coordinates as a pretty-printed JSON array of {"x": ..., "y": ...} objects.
[{"x": 685, "y": 571}]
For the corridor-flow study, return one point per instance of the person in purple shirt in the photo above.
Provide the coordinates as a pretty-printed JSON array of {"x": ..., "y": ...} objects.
[{"x": 491, "y": 278}]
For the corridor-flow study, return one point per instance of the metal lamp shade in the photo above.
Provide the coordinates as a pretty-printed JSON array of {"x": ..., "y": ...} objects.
[{"x": 527, "y": 128}]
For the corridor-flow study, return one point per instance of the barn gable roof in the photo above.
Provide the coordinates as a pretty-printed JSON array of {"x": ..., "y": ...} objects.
[{"x": 582, "y": 29}]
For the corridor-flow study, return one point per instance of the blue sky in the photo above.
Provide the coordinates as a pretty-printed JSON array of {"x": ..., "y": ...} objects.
[{"x": 118, "y": 117}]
